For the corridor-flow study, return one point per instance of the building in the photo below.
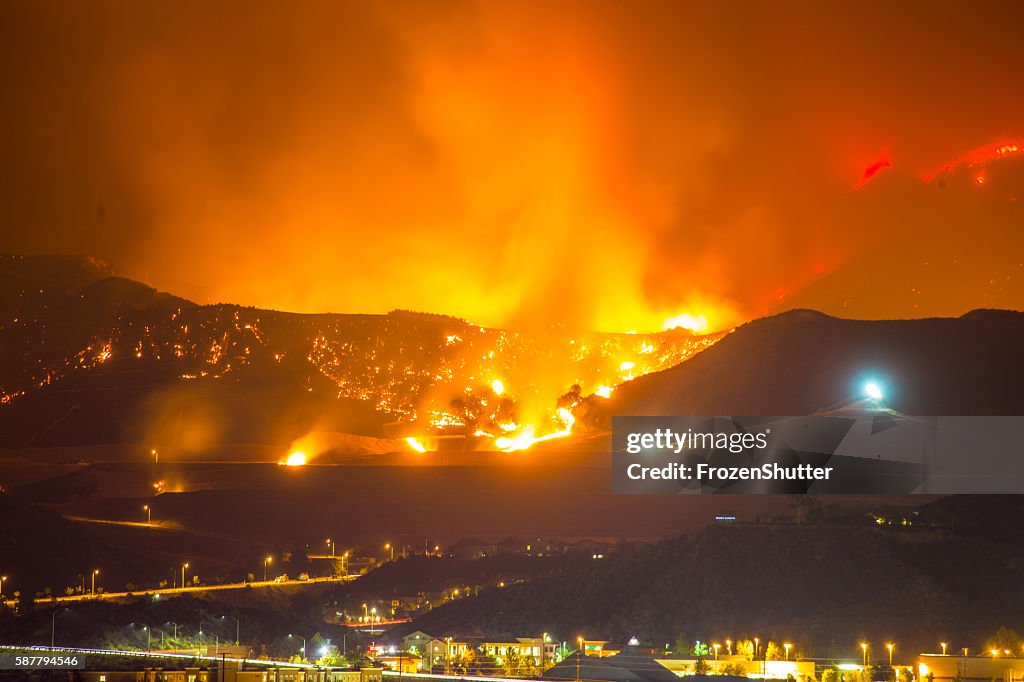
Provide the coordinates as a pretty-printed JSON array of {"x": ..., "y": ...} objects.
[
  {"x": 628, "y": 666},
  {"x": 400, "y": 662},
  {"x": 986, "y": 668},
  {"x": 471, "y": 549},
  {"x": 525, "y": 647},
  {"x": 758, "y": 669},
  {"x": 421, "y": 643},
  {"x": 590, "y": 548}
]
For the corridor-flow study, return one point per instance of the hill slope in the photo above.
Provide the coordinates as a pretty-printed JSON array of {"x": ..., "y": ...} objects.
[{"x": 802, "y": 362}]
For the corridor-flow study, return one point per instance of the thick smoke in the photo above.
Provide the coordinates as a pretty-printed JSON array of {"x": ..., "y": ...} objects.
[{"x": 598, "y": 164}]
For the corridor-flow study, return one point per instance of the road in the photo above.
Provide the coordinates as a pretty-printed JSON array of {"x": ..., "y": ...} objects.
[{"x": 171, "y": 591}]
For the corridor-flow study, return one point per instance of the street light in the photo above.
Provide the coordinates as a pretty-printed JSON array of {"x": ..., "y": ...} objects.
[
  {"x": 728, "y": 647},
  {"x": 183, "y": 567},
  {"x": 943, "y": 645},
  {"x": 330, "y": 543},
  {"x": 303, "y": 643},
  {"x": 890, "y": 646},
  {"x": 716, "y": 646},
  {"x": 266, "y": 562},
  {"x": 149, "y": 637},
  {"x": 149, "y": 514},
  {"x": 756, "y": 643},
  {"x": 864, "y": 651},
  {"x": 95, "y": 573},
  {"x": 2, "y": 579},
  {"x": 238, "y": 626},
  {"x": 579, "y": 656},
  {"x": 389, "y": 546},
  {"x": 787, "y": 647}
]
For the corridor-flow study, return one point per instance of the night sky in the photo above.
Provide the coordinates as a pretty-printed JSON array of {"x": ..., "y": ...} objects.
[{"x": 606, "y": 164}]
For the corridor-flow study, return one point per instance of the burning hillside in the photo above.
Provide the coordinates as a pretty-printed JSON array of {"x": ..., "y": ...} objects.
[{"x": 430, "y": 374}]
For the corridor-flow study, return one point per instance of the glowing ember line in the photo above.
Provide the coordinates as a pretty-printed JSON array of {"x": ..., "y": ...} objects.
[{"x": 525, "y": 438}]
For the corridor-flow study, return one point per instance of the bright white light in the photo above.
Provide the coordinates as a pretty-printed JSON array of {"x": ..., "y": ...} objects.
[
  {"x": 873, "y": 391},
  {"x": 324, "y": 650},
  {"x": 295, "y": 459}
]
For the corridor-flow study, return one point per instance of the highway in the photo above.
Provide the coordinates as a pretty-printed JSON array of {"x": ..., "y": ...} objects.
[{"x": 171, "y": 591}]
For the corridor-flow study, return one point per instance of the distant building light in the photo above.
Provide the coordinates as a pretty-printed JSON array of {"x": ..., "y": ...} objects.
[
  {"x": 725, "y": 518},
  {"x": 873, "y": 391}
]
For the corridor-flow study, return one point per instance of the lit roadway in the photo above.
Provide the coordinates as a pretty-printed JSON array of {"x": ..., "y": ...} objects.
[
  {"x": 42, "y": 650},
  {"x": 170, "y": 591}
]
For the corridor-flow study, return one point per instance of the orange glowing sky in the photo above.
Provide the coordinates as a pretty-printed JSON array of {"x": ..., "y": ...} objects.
[{"x": 601, "y": 164}]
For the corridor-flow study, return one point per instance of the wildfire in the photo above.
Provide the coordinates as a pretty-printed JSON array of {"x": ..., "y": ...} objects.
[
  {"x": 526, "y": 437},
  {"x": 604, "y": 391},
  {"x": 295, "y": 459},
  {"x": 695, "y": 323},
  {"x": 498, "y": 386},
  {"x": 980, "y": 156}
]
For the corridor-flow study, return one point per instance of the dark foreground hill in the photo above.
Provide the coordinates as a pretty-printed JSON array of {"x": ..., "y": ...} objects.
[
  {"x": 802, "y": 362},
  {"x": 824, "y": 586}
]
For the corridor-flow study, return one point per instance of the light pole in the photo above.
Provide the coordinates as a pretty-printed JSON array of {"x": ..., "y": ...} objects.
[
  {"x": 389, "y": 547},
  {"x": 728, "y": 647},
  {"x": 366, "y": 614},
  {"x": 373, "y": 618},
  {"x": 175, "y": 630},
  {"x": 303, "y": 644},
  {"x": 266, "y": 562},
  {"x": 330, "y": 543},
  {"x": 238, "y": 625},
  {"x": 95, "y": 573},
  {"x": 890, "y": 646},
  {"x": 2, "y": 579},
  {"x": 787, "y": 646},
  {"x": 149, "y": 514},
  {"x": 943, "y": 645},
  {"x": 864, "y": 652},
  {"x": 579, "y": 656},
  {"x": 149, "y": 637},
  {"x": 716, "y": 646},
  {"x": 183, "y": 567},
  {"x": 756, "y": 642}
]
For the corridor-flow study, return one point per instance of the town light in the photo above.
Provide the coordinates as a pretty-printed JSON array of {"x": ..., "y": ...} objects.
[
  {"x": 943, "y": 645},
  {"x": 787, "y": 646},
  {"x": 890, "y": 646},
  {"x": 873, "y": 391},
  {"x": 864, "y": 649}
]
